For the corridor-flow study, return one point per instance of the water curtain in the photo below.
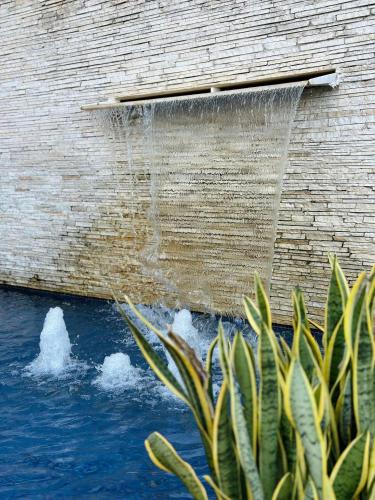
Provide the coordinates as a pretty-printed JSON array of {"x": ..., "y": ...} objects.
[{"x": 207, "y": 173}]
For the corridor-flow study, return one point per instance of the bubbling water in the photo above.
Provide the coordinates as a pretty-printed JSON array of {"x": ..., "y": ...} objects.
[
  {"x": 183, "y": 326},
  {"x": 197, "y": 331},
  {"x": 117, "y": 373},
  {"x": 55, "y": 347}
]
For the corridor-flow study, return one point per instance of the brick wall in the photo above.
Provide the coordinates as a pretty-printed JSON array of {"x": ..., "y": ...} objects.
[{"x": 63, "y": 197}]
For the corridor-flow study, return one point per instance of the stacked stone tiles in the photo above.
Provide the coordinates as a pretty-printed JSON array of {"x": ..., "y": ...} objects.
[{"x": 64, "y": 204}]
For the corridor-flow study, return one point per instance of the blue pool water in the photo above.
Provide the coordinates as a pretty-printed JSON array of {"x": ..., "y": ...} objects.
[{"x": 66, "y": 437}]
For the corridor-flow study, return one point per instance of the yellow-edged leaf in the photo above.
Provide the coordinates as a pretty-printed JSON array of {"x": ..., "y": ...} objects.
[
  {"x": 302, "y": 408},
  {"x": 349, "y": 475},
  {"x": 165, "y": 457}
]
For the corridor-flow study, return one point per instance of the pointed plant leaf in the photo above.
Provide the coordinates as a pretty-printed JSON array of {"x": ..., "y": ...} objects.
[
  {"x": 209, "y": 358},
  {"x": 344, "y": 410},
  {"x": 302, "y": 309},
  {"x": 223, "y": 350},
  {"x": 262, "y": 302},
  {"x": 301, "y": 348},
  {"x": 371, "y": 291},
  {"x": 224, "y": 456},
  {"x": 253, "y": 315},
  {"x": 298, "y": 487},
  {"x": 198, "y": 398},
  {"x": 269, "y": 411},
  {"x": 336, "y": 299},
  {"x": 334, "y": 306},
  {"x": 165, "y": 457},
  {"x": 194, "y": 394},
  {"x": 289, "y": 440},
  {"x": 306, "y": 330},
  {"x": 243, "y": 443},
  {"x": 287, "y": 353},
  {"x": 371, "y": 470},
  {"x": 353, "y": 311},
  {"x": 328, "y": 423},
  {"x": 310, "y": 491},
  {"x": 302, "y": 409},
  {"x": 283, "y": 461},
  {"x": 190, "y": 354},
  {"x": 284, "y": 488},
  {"x": 316, "y": 325},
  {"x": 244, "y": 369},
  {"x": 219, "y": 494},
  {"x": 348, "y": 476},
  {"x": 335, "y": 354},
  {"x": 363, "y": 373},
  {"x": 155, "y": 361}
]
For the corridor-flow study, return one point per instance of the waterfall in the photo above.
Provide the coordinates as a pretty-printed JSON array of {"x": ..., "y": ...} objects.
[{"x": 208, "y": 173}]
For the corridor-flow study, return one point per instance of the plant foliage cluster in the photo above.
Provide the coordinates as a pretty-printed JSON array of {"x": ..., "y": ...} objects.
[{"x": 296, "y": 424}]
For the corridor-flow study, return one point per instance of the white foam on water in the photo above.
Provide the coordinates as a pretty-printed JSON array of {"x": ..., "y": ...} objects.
[
  {"x": 118, "y": 374},
  {"x": 55, "y": 347},
  {"x": 198, "y": 330},
  {"x": 183, "y": 326},
  {"x": 182, "y": 323}
]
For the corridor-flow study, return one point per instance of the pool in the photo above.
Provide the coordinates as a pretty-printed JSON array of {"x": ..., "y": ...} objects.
[
  {"x": 68, "y": 436},
  {"x": 65, "y": 437}
]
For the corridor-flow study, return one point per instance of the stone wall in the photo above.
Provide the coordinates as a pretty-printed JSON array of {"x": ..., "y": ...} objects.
[{"x": 64, "y": 212}]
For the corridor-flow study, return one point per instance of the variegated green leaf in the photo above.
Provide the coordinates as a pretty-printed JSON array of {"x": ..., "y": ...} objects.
[
  {"x": 347, "y": 476},
  {"x": 363, "y": 374},
  {"x": 302, "y": 410},
  {"x": 262, "y": 302},
  {"x": 306, "y": 330},
  {"x": 344, "y": 410},
  {"x": 244, "y": 369},
  {"x": 334, "y": 354},
  {"x": 155, "y": 361},
  {"x": 194, "y": 393},
  {"x": 219, "y": 494},
  {"x": 269, "y": 411},
  {"x": 354, "y": 311},
  {"x": 243, "y": 444},
  {"x": 371, "y": 291},
  {"x": 311, "y": 492},
  {"x": 165, "y": 457},
  {"x": 208, "y": 382},
  {"x": 334, "y": 325},
  {"x": 284, "y": 488},
  {"x": 334, "y": 305},
  {"x": 288, "y": 437},
  {"x": 224, "y": 456},
  {"x": 223, "y": 350},
  {"x": 253, "y": 315},
  {"x": 371, "y": 469},
  {"x": 286, "y": 352},
  {"x": 197, "y": 395},
  {"x": 301, "y": 348}
]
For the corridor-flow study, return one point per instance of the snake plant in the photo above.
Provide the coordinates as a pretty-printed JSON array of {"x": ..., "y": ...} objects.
[{"x": 297, "y": 423}]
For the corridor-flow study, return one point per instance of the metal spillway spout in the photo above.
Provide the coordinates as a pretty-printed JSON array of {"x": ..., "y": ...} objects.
[{"x": 330, "y": 80}]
